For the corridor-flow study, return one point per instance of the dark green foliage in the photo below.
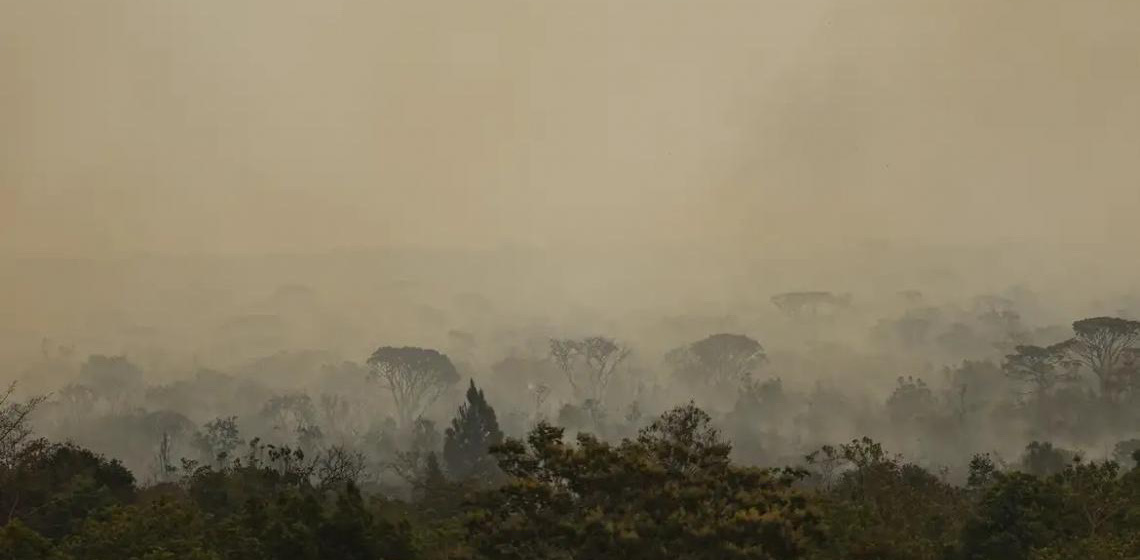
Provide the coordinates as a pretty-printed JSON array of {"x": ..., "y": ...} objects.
[
  {"x": 671, "y": 493},
  {"x": 467, "y": 442},
  {"x": 879, "y": 507},
  {"x": 159, "y": 530},
  {"x": 56, "y": 486},
  {"x": 19, "y": 542}
]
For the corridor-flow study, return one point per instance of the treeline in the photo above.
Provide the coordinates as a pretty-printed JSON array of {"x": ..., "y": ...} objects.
[
  {"x": 580, "y": 457},
  {"x": 670, "y": 491}
]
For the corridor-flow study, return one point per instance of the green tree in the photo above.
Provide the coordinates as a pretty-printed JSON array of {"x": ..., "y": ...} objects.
[
  {"x": 55, "y": 487},
  {"x": 161, "y": 530},
  {"x": 670, "y": 493},
  {"x": 19, "y": 542},
  {"x": 467, "y": 442},
  {"x": 878, "y": 507}
]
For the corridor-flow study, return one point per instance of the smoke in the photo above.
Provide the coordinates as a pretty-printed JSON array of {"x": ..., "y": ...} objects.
[
  {"x": 210, "y": 127},
  {"x": 206, "y": 183}
]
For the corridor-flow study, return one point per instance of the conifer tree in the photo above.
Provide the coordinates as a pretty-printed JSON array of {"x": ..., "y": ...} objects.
[{"x": 467, "y": 443}]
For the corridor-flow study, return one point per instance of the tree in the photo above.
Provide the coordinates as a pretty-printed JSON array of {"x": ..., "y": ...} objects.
[
  {"x": 416, "y": 377},
  {"x": 911, "y": 399},
  {"x": 720, "y": 359},
  {"x": 1102, "y": 344},
  {"x": 878, "y": 506},
  {"x": 423, "y": 442},
  {"x": 1038, "y": 367},
  {"x": 589, "y": 363},
  {"x": 1016, "y": 514},
  {"x": 473, "y": 432},
  {"x": 1127, "y": 452},
  {"x": 670, "y": 493},
  {"x": 15, "y": 429},
  {"x": 810, "y": 304},
  {"x": 54, "y": 487},
  {"x": 114, "y": 378},
  {"x": 218, "y": 439},
  {"x": 1043, "y": 459},
  {"x": 161, "y": 529},
  {"x": 352, "y": 532},
  {"x": 19, "y": 542},
  {"x": 290, "y": 412},
  {"x": 340, "y": 465}
]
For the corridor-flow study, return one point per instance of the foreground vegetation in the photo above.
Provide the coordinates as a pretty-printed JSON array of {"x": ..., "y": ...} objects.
[{"x": 671, "y": 491}]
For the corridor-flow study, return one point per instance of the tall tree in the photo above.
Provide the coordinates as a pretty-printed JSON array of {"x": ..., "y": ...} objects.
[
  {"x": 720, "y": 359},
  {"x": 473, "y": 432},
  {"x": 589, "y": 363},
  {"x": 1103, "y": 344},
  {"x": 1041, "y": 368},
  {"x": 416, "y": 377}
]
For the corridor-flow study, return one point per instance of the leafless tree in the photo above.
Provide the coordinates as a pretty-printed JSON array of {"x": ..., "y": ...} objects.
[
  {"x": 339, "y": 464},
  {"x": 589, "y": 363}
]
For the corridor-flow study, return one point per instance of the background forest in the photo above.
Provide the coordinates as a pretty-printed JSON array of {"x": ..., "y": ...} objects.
[{"x": 906, "y": 427}]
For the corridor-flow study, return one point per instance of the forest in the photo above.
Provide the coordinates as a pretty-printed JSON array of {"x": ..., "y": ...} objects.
[
  {"x": 580, "y": 451},
  {"x": 569, "y": 280}
]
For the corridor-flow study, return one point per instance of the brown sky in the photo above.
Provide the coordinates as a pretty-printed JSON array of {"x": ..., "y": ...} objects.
[{"x": 288, "y": 125}]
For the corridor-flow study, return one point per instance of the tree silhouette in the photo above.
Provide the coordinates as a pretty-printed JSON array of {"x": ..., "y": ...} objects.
[
  {"x": 720, "y": 359},
  {"x": 589, "y": 363},
  {"x": 473, "y": 432},
  {"x": 1103, "y": 345},
  {"x": 416, "y": 377}
]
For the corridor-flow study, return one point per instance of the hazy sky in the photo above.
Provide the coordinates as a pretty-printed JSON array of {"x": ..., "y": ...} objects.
[{"x": 287, "y": 125}]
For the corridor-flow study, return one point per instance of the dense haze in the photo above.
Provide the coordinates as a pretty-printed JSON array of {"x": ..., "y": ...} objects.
[
  {"x": 214, "y": 184},
  {"x": 290, "y": 126}
]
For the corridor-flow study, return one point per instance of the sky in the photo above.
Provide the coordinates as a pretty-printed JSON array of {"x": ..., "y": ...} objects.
[{"x": 263, "y": 126}]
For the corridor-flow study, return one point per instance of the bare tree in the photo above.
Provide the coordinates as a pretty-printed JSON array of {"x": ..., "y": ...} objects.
[
  {"x": 415, "y": 377},
  {"x": 340, "y": 465},
  {"x": 589, "y": 363}
]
